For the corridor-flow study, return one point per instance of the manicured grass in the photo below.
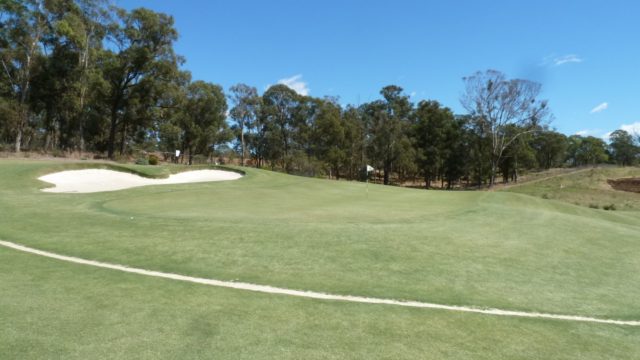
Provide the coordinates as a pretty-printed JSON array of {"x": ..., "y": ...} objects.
[
  {"x": 58, "y": 310},
  {"x": 489, "y": 249}
]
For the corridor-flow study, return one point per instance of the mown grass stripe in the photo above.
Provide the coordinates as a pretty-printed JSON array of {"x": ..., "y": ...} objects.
[{"x": 312, "y": 294}]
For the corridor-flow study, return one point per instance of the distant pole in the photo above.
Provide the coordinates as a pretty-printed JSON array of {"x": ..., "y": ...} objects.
[
  {"x": 367, "y": 185},
  {"x": 368, "y": 169}
]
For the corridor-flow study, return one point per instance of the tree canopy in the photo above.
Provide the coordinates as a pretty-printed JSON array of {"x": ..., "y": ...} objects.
[{"x": 87, "y": 77}]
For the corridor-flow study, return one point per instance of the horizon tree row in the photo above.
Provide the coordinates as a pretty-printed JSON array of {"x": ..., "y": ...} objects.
[{"x": 85, "y": 76}]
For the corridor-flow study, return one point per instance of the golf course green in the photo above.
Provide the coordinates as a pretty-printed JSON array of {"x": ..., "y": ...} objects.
[{"x": 523, "y": 249}]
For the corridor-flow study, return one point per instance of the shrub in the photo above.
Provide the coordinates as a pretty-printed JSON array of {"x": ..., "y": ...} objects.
[
  {"x": 545, "y": 196},
  {"x": 153, "y": 160},
  {"x": 594, "y": 206},
  {"x": 611, "y": 207},
  {"x": 142, "y": 161},
  {"x": 58, "y": 153}
]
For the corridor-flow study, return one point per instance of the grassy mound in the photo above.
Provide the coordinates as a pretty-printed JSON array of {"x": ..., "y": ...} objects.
[{"x": 587, "y": 187}]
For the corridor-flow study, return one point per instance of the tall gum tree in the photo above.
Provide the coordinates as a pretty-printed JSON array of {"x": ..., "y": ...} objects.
[
  {"x": 144, "y": 54},
  {"x": 387, "y": 124},
  {"x": 498, "y": 103},
  {"x": 23, "y": 27},
  {"x": 244, "y": 112}
]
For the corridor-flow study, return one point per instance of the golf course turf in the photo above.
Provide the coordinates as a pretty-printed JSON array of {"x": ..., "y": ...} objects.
[{"x": 485, "y": 249}]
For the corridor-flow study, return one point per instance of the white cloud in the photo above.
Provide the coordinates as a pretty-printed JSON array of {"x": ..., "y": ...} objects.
[
  {"x": 566, "y": 59},
  {"x": 599, "y": 108},
  {"x": 586, "y": 132},
  {"x": 553, "y": 60},
  {"x": 413, "y": 94},
  {"x": 633, "y": 129},
  {"x": 296, "y": 84}
]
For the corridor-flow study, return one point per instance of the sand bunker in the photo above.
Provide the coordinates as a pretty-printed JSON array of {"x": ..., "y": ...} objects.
[{"x": 98, "y": 180}]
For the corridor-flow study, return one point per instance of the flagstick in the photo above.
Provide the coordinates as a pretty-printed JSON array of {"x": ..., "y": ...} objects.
[{"x": 367, "y": 185}]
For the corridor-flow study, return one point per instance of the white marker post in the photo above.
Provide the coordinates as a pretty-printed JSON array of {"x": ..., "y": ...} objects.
[{"x": 369, "y": 169}]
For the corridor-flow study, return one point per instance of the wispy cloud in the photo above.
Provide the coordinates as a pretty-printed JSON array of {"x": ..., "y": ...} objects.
[
  {"x": 553, "y": 60},
  {"x": 602, "y": 107},
  {"x": 587, "y": 132},
  {"x": 296, "y": 84},
  {"x": 566, "y": 59}
]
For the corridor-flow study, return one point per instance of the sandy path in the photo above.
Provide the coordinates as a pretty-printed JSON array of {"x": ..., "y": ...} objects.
[
  {"x": 98, "y": 180},
  {"x": 314, "y": 295}
]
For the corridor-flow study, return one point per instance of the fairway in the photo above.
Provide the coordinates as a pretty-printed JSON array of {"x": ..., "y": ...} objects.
[{"x": 501, "y": 250}]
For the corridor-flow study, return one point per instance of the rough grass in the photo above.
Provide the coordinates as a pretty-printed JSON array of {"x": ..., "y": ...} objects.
[
  {"x": 587, "y": 187},
  {"x": 492, "y": 249}
]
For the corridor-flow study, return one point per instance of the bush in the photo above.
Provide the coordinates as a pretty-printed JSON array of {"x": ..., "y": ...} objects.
[
  {"x": 611, "y": 207},
  {"x": 594, "y": 206},
  {"x": 545, "y": 196},
  {"x": 153, "y": 160},
  {"x": 58, "y": 153},
  {"x": 142, "y": 161}
]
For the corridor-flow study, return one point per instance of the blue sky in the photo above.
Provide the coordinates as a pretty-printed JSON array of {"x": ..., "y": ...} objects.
[{"x": 586, "y": 54}]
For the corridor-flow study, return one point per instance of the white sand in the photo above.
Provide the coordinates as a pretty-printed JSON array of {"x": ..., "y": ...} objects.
[
  {"x": 317, "y": 295},
  {"x": 98, "y": 180}
]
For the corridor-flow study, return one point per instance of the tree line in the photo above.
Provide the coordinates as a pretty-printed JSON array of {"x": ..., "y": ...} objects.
[{"x": 85, "y": 76}]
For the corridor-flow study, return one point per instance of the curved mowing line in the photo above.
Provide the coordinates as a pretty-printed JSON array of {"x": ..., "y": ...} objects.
[{"x": 312, "y": 294}]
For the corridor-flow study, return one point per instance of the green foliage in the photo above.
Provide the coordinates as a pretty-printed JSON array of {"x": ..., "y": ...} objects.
[
  {"x": 66, "y": 91},
  {"x": 586, "y": 150},
  {"x": 623, "y": 149},
  {"x": 387, "y": 123}
]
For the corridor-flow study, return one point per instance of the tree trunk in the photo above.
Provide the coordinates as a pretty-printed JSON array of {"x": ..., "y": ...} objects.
[
  {"x": 18, "y": 139},
  {"x": 112, "y": 134},
  {"x": 123, "y": 140},
  {"x": 387, "y": 170},
  {"x": 242, "y": 142},
  {"x": 492, "y": 176}
]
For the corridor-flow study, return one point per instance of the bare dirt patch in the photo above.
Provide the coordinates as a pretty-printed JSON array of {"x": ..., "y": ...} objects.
[{"x": 625, "y": 184}]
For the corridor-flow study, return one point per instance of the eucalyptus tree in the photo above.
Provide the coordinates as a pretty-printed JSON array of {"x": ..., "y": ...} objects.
[
  {"x": 202, "y": 118},
  {"x": 280, "y": 104},
  {"x": 83, "y": 26},
  {"x": 497, "y": 103},
  {"x": 623, "y": 149},
  {"x": 23, "y": 27},
  {"x": 587, "y": 150},
  {"x": 550, "y": 148},
  {"x": 143, "y": 59},
  {"x": 355, "y": 137},
  {"x": 388, "y": 121},
  {"x": 244, "y": 113},
  {"x": 329, "y": 136},
  {"x": 431, "y": 129}
]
